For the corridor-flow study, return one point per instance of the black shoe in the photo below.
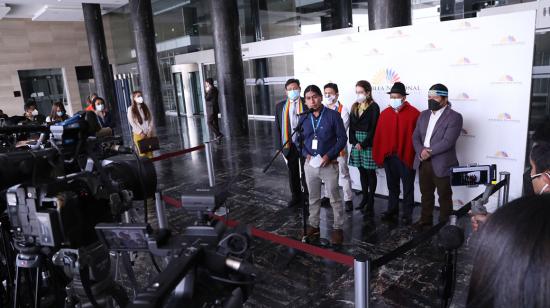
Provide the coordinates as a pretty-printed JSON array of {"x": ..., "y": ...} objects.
[
  {"x": 389, "y": 216},
  {"x": 325, "y": 202},
  {"x": 293, "y": 202},
  {"x": 349, "y": 206},
  {"x": 405, "y": 221},
  {"x": 361, "y": 205}
]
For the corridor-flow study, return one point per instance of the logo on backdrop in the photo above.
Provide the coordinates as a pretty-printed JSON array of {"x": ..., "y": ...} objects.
[
  {"x": 506, "y": 79},
  {"x": 373, "y": 52},
  {"x": 464, "y": 61},
  {"x": 430, "y": 47},
  {"x": 384, "y": 79},
  {"x": 398, "y": 34},
  {"x": 502, "y": 155},
  {"x": 503, "y": 117},
  {"x": 463, "y": 97},
  {"x": 507, "y": 41},
  {"x": 464, "y": 26}
]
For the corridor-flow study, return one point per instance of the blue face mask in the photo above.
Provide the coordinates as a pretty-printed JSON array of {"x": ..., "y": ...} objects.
[
  {"x": 395, "y": 103},
  {"x": 293, "y": 94},
  {"x": 60, "y": 113}
]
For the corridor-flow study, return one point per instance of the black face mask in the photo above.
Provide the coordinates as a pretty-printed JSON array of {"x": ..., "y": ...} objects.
[{"x": 434, "y": 105}]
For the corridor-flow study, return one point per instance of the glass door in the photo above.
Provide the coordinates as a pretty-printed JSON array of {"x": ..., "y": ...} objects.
[
  {"x": 196, "y": 92},
  {"x": 180, "y": 97}
]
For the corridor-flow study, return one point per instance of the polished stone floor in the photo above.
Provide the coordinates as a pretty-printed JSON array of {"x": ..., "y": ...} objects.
[{"x": 259, "y": 199}]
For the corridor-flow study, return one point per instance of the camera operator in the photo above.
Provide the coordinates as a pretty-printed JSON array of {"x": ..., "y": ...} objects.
[
  {"x": 510, "y": 263},
  {"x": 540, "y": 177}
]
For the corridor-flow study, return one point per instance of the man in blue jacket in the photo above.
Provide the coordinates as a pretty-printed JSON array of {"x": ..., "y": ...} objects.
[{"x": 324, "y": 137}]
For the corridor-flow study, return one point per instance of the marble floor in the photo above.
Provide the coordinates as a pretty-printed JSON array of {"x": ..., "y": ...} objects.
[{"x": 259, "y": 199}]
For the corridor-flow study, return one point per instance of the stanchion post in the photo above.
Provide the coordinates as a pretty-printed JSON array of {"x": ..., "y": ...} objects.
[
  {"x": 503, "y": 193},
  {"x": 161, "y": 213},
  {"x": 361, "y": 270},
  {"x": 210, "y": 163}
]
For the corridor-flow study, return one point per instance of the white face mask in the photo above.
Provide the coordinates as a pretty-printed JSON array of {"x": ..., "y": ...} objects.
[
  {"x": 139, "y": 99},
  {"x": 100, "y": 107},
  {"x": 34, "y": 112},
  {"x": 329, "y": 99},
  {"x": 361, "y": 98},
  {"x": 395, "y": 103}
]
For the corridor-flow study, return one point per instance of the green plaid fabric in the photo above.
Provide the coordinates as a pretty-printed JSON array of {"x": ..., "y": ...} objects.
[{"x": 362, "y": 158}]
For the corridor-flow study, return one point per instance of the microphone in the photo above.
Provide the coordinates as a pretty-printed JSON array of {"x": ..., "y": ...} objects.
[
  {"x": 305, "y": 112},
  {"x": 451, "y": 236}
]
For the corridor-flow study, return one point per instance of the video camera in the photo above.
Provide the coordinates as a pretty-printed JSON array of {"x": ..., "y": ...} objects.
[
  {"x": 207, "y": 268},
  {"x": 473, "y": 175}
]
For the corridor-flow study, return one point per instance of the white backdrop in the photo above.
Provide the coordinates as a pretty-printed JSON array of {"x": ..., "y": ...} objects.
[{"x": 485, "y": 62}]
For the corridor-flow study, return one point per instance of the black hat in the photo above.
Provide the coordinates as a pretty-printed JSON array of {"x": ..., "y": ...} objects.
[{"x": 398, "y": 88}]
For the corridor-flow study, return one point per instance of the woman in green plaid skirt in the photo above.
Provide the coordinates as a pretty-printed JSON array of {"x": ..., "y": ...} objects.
[{"x": 363, "y": 118}]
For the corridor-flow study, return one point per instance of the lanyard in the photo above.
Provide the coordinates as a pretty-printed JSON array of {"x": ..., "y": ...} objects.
[{"x": 318, "y": 122}]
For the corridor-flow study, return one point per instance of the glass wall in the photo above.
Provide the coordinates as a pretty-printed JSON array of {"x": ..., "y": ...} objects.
[{"x": 43, "y": 87}]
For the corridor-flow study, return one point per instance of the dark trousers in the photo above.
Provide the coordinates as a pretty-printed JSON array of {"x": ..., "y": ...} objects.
[
  {"x": 293, "y": 164},
  {"x": 368, "y": 185},
  {"x": 397, "y": 171},
  {"x": 429, "y": 182},
  {"x": 213, "y": 124}
]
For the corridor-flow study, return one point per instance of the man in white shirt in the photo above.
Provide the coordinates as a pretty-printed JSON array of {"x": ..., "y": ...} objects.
[
  {"x": 434, "y": 141},
  {"x": 330, "y": 100}
]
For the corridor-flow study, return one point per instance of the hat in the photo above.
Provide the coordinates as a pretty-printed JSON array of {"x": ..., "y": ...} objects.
[
  {"x": 398, "y": 88},
  {"x": 438, "y": 89}
]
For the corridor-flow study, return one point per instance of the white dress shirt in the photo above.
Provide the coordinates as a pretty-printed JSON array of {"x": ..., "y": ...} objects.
[
  {"x": 344, "y": 114},
  {"x": 434, "y": 117}
]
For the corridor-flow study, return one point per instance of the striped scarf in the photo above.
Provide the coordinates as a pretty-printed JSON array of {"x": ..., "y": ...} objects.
[{"x": 287, "y": 130}]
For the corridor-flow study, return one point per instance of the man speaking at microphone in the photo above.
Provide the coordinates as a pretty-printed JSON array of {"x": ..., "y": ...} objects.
[{"x": 324, "y": 138}]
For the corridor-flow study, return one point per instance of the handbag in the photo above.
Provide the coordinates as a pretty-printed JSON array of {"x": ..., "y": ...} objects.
[{"x": 148, "y": 144}]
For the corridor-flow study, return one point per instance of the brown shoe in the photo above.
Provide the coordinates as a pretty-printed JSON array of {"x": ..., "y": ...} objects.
[
  {"x": 337, "y": 237},
  {"x": 312, "y": 233}
]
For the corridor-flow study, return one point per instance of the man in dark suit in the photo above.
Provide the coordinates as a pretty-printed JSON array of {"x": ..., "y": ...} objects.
[
  {"x": 212, "y": 107},
  {"x": 286, "y": 120},
  {"x": 434, "y": 140}
]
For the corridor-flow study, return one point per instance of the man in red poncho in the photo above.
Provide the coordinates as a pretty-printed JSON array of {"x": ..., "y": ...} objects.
[{"x": 393, "y": 148}]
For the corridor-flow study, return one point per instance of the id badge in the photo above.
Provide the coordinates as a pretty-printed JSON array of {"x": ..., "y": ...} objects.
[{"x": 314, "y": 144}]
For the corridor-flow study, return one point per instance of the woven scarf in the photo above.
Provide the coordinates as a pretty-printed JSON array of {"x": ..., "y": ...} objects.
[{"x": 287, "y": 130}]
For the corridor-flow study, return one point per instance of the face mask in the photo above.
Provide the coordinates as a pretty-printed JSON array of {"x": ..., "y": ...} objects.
[
  {"x": 329, "y": 99},
  {"x": 434, "y": 105},
  {"x": 293, "y": 94},
  {"x": 395, "y": 103},
  {"x": 361, "y": 98},
  {"x": 60, "y": 113},
  {"x": 139, "y": 100},
  {"x": 101, "y": 107},
  {"x": 207, "y": 88},
  {"x": 34, "y": 112}
]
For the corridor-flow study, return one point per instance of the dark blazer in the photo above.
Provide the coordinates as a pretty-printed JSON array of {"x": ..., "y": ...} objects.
[
  {"x": 443, "y": 141},
  {"x": 278, "y": 125},
  {"x": 211, "y": 98}
]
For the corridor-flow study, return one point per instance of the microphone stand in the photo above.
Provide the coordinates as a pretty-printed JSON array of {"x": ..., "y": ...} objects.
[{"x": 305, "y": 200}]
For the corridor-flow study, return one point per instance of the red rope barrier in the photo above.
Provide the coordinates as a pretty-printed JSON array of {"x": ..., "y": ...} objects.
[
  {"x": 281, "y": 240},
  {"x": 177, "y": 153}
]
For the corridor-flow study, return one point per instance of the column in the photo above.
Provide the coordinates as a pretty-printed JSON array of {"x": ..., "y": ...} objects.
[
  {"x": 141, "y": 14},
  {"x": 229, "y": 66},
  {"x": 340, "y": 15},
  {"x": 388, "y": 14},
  {"x": 103, "y": 75}
]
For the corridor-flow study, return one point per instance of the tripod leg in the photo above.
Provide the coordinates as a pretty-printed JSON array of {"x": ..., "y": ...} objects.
[
  {"x": 129, "y": 269},
  {"x": 37, "y": 288},
  {"x": 16, "y": 287}
]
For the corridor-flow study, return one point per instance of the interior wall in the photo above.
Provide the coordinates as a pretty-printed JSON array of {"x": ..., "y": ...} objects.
[{"x": 27, "y": 44}]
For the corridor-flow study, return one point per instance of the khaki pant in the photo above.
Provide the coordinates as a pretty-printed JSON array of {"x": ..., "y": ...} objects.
[
  {"x": 344, "y": 178},
  {"x": 328, "y": 175}
]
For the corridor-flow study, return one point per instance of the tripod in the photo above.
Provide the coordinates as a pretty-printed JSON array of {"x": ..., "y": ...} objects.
[{"x": 305, "y": 206}]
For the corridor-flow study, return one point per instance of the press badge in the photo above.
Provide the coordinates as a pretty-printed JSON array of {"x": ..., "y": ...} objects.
[{"x": 314, "y": 144}]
